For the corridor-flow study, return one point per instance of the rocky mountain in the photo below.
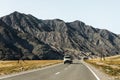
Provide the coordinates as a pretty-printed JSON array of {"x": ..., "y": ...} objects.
[
  {"x": 24, "y": 36},
  {"x": 119, "y": 35}
]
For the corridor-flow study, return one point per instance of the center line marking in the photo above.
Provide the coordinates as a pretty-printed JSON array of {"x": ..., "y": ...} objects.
[
  {"x": 57, "y": 73},
  {"x": 65, "y": 68}
]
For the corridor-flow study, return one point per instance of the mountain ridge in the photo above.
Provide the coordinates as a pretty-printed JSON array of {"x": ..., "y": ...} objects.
[{"x": 35, "y": 38}]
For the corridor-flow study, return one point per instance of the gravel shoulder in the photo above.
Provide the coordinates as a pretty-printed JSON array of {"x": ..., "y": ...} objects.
[{"x": 99, "y": 73}]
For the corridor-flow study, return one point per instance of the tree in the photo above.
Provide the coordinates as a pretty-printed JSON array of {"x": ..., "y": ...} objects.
[
  {"x": 101, "y": 51},
  {"x": 1, "y": 54}
]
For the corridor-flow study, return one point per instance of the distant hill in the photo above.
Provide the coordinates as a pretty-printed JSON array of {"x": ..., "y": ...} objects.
[{"x": 25, "y": 36}]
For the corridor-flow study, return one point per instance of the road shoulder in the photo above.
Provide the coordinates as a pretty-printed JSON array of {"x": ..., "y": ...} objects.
[
  {"x": 29, "y": 71},
  {"x": 101, "y": 75}
]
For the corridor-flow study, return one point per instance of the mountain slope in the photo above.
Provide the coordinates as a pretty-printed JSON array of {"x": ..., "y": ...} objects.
[{"x": 32, "y": 38}]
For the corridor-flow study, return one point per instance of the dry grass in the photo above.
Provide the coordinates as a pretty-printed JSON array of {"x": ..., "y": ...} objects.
[
  {"x": 7, "y": 67},
  {"x": 111, "y": 65}
]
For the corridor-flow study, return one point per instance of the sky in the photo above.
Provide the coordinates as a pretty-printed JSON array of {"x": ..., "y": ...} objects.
[{"x": 103, "y": 14}]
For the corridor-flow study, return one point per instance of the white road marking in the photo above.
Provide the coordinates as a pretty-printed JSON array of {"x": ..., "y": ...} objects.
[
  {"x": 57, "y": 73},
  {"x": 93, "y": 72},
  {"x": 29, "y": 71},
  {"x": 69, "y": 66},
  {"x": 65, "y": 68}
]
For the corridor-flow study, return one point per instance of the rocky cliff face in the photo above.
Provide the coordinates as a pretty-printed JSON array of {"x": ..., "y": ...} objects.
[{"x": 24, "y": 36}]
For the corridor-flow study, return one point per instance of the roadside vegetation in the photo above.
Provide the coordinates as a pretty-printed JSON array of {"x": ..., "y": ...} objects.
[
  {"x": 7, "y": 67},
  {"x": 110, "y": 65}
]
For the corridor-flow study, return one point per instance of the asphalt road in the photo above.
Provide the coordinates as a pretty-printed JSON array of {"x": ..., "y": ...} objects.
[{"x": 75, "y": 71}]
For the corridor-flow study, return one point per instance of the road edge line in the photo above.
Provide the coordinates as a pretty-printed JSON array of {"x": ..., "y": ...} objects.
[
  {"x": 29, "y": 71},
  {"x": 93, "y": 72}
]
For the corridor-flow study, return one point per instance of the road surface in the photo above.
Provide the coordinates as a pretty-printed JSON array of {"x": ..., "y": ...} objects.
[{"x": 75, "y": 71}]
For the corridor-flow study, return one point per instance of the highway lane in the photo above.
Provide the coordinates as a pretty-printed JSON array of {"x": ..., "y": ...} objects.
[{"x": 75, "y": 71}]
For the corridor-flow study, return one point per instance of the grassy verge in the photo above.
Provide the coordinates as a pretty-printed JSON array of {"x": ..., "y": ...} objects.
[
  {"x": 7, "y": 67},
  {"x": 111, "y": 65}
]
